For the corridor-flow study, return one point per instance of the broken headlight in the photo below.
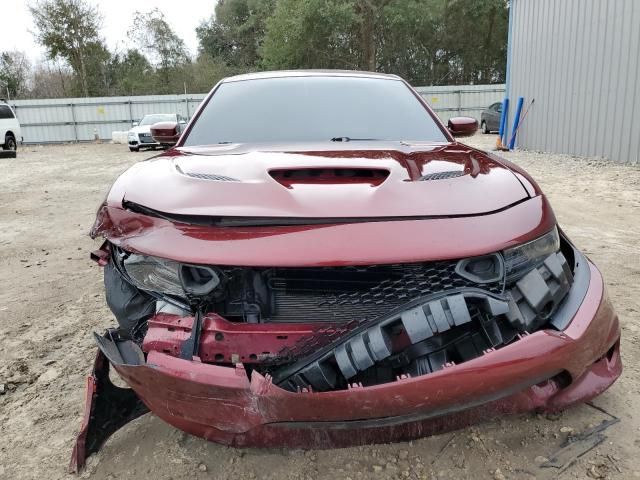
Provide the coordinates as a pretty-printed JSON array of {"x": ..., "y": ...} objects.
[
  {"x": 521, "y": 259},
  {"x": 169, "y": 277},
  {"x": 154, "y": 274}
]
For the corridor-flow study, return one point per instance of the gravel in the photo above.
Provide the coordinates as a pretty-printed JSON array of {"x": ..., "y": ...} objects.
[{"x": 51, "y": 300}]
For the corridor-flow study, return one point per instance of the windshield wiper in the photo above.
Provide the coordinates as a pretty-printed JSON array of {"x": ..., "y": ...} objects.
[{"x": 349, "y": 139}]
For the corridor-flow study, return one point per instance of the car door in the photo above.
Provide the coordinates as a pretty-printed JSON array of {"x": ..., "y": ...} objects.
[
  {"x": 493, "y": 119},
  {"x": 6, "y": 121}
]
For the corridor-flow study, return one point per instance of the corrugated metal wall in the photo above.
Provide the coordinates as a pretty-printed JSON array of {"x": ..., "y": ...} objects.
[
  {"x": 579, "y": 59},
  {"x": 75, "y": 119}
]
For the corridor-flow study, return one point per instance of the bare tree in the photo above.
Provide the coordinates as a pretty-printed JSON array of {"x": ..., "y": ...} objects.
[
  {"x": 15, "y": 69},
  {"x": 154, "y": 35},
  {"x": 50, "y": 80}
]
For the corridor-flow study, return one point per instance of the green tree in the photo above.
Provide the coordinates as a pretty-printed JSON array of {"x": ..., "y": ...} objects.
[
  {"x": 131, "y": 73},
  {"x": 235, "y": 32},
  {"x": 425, "y": 41},
  {"x": 70, "y": 30},
  {"x": 15, "y": 69},
  {"x": 205, "y": 72},
  {"x": 376, "y": 35},
  {"x": 479, "y": 54},
  {"x": 408, "y": 42},
  {"x": 311, "y": 34},
  {"x": 370, "y": 16}
]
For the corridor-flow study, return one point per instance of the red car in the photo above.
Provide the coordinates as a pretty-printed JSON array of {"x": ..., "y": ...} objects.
[{"x": 319, "y": 263}]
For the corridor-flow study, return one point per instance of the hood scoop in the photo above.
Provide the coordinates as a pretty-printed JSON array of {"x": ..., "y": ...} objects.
[
  {"x": 329, "y": 176},
  {"x": 441, "y": 175}
]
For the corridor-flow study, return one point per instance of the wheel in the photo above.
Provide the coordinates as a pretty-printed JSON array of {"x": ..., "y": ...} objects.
[
  {"x": 10, "y": 143},
  {"x": 134, "y": 149},
  {"x": 484, "y": 127}
]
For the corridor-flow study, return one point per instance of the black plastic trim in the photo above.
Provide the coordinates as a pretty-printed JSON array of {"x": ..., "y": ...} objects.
[
  {"x": 340, "y": 348},
  {"x": 232, "y": 221},
  {"x": 461, "y": 268},
  {"x": 578, "y": 291}
]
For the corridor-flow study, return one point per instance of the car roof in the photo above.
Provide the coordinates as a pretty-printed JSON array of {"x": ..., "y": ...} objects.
[{"x": 309, "y": 73}]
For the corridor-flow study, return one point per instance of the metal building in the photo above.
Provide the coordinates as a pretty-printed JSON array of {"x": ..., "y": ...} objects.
[{"x": 580, "y": 61}]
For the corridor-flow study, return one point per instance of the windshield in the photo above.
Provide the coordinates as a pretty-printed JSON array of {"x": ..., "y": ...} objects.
[
  {"x": 159, "y": 117},
  {"x": 309, "y": 109}
]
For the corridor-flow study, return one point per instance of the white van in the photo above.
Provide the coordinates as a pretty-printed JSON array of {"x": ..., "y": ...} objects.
[{"x": 9, "y": 128}]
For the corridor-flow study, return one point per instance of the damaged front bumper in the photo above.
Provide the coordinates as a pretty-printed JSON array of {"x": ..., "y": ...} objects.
[{"x": 545, "y": 370}]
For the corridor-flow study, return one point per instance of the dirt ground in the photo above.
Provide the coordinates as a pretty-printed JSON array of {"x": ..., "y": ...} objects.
[{"x": 51, "y": 299}]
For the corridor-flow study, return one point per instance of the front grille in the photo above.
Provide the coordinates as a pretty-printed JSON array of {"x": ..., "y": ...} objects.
[
  {"x": 359, "y": 294},
  {"x": 146, "y": 138}
]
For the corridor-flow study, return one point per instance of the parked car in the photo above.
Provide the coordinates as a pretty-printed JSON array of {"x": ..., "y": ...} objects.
[
  {"x": 140, "y": 135},
  {"x": 309, "y": 267},
  {"x": 490, "y": 118},
  {"x": 9, "y": 128}
]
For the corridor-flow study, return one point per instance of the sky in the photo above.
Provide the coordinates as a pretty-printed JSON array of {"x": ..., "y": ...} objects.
[{"x": 183, "y": 16}]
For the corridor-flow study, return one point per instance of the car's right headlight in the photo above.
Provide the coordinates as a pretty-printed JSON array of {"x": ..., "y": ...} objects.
[
  {"x": 154, "y": 274},
  {"x": 168, "y": 277}
]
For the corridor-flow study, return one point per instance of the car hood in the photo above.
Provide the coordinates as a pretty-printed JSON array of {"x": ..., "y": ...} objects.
[
  {"x": 141, "y": 129},
  {"x": 351, "y": 180}
]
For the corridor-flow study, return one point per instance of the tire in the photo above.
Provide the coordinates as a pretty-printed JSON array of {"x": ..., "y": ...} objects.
[
  {"x": 483, "y": 125},
  {"x": 10, "y": 143},
  {"x": 134, "y": 149}
]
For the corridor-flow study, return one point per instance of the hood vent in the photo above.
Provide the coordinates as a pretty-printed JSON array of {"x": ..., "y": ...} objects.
[
  {"x": 329, "y": 176},
  {"x": 441, "y": 175},
  {"x": 211, "y": 176},
  {"x": 206, "y": 176}
]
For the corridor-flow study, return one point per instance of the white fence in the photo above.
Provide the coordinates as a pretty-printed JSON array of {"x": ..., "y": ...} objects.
[{"x": 79, "y": 119}]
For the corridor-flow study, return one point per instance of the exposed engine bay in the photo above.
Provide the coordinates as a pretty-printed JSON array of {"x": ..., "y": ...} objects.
[{"x": 332, "y": 328}]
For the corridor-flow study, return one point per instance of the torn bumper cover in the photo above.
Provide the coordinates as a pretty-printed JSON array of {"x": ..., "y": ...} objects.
[{"x": 548, "y": 369}]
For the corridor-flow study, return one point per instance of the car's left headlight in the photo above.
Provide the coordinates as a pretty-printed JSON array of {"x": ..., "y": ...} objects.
[{"x": 523, "y": 258}]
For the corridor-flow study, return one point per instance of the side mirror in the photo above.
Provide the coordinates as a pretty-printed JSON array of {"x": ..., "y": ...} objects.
[
  {"x": 165, "y": 133},
  {"x": 462, "y": 126},
  {"x": 134, "y": 124}
]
